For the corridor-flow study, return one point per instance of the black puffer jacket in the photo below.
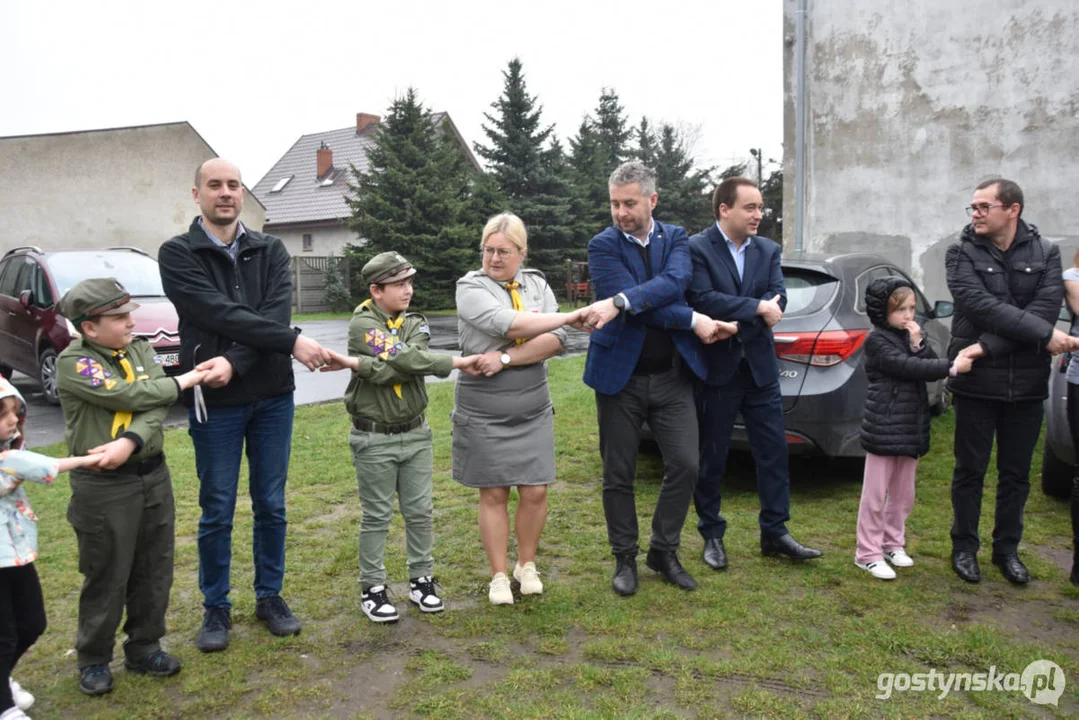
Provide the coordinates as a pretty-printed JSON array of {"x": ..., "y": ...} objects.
[
  {"x": 1008, "y": 302},
  {"x": 896, "y": 420}
]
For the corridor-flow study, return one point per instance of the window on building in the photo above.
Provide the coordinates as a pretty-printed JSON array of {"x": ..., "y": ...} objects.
[
  {"x": 308, "y": 243},
  {"x": 281, "y": 184}
]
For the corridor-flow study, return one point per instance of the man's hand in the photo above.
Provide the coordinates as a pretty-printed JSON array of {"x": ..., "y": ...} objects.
[
  {"x": 770, "y": 311},
  {"x": 704, "y": 328},
  {"x": 962, "y": 364},
  {"x": 489, "y": 363},
  {"x": 1061, "y": 342},
  {"x": 725, "y": 329},
  {"x": 218, "y": 372},
  {"x": 113, "y": 454},
  {"x": 336, "y": 361},
  {"x": 576, "y": 320},
  {"x": 309, "y": 353},
  {"x": 191, "y": 378},
  {"x": 973, "y": 352},
  {"x": 468, "y": 364},
  {"x": 915, "y": 331},
  {"x": 600, "y": 313}
]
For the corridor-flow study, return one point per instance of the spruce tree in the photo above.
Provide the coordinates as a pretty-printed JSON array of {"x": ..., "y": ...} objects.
[
  {"x": 529, "y": 175},
  {"x": 416, "y": 199},
  {"x": 684, "y": 190}
]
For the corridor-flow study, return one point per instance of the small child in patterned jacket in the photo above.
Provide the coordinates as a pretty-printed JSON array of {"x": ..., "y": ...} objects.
[{"x": 22, "y": 607}]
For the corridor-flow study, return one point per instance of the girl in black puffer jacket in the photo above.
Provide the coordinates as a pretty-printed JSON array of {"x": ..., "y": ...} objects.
[{"x": 895, "y": 429}]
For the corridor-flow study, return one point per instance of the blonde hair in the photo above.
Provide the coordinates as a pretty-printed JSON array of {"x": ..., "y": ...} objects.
[
  {"x": 898, "y": 297},
  {"x": 509, "y": 225}
]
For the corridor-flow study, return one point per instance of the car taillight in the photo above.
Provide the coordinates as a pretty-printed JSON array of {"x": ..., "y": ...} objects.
[{"x": 822, "y": 349}]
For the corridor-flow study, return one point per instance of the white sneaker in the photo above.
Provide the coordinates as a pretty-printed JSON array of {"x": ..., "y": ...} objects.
[
  {"x": 423, "y": 592},
  {"x": 878, "y": 569},
  {"x": 23, "y": 700},
  {"x": 377, "y": 606},
  {"x": 528, "y": 576},
  {"x": 500, "y": 593},
  {"x": 14, "y": 714},
  {"x": 899, "y": 558}
]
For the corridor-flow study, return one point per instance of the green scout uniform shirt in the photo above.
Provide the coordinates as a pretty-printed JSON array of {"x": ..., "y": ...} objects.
[
  {"x": 389, "y": 359},
  {"x": 101, "y": 402}
]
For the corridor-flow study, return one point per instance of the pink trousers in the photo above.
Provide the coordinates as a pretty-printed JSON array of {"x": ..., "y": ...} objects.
[{"x": 887, "y": 498}]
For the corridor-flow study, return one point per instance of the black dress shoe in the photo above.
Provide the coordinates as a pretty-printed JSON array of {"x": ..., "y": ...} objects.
[
  {"x": 965, "y": 564},
  {"x": 1012, "y": 568},
  {"x": 715, "y": 556},
  {"x": 625, "y": 575},
  {"x": 787, "y": 546},
  {"x": 667, "y": 565}
]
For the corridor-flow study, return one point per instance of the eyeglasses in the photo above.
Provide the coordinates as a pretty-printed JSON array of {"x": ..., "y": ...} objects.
[
  {"x": 982, "y": 209},
  {"x": 500, "y": 252}
]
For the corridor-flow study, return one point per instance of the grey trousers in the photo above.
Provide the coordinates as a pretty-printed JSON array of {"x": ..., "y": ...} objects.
[
  {"x": 665, "y": 401},
  {"x": 125, "y": 527}
]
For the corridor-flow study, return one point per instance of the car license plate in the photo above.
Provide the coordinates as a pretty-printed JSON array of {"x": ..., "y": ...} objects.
[{"x": 170, "y": 359}]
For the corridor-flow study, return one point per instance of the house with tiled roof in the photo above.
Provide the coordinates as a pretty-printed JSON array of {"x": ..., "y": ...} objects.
[{"x": 305, "y": 191}]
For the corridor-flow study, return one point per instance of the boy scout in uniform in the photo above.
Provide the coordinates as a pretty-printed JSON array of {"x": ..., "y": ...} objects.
[
  {"x": 115, "y": 397},
  {"x": 390, "y": 438}
]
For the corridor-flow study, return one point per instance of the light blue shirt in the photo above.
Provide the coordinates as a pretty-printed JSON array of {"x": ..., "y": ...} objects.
[
  {"x": 233, "y": 248},
  {"x": 737, "y": 253},
  {"x": 637, "y": 241}
]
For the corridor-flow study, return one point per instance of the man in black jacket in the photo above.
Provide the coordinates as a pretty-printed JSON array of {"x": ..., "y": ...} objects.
[
  {"x": 233, "y": 292},
  {"x": 1005, "y": 280}
]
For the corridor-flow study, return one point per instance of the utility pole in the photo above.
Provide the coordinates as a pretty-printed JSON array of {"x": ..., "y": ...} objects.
[{"x": 756, "y": 152}]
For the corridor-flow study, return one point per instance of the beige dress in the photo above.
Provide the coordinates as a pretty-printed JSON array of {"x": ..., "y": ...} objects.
[{"x": 503, "y": 425}]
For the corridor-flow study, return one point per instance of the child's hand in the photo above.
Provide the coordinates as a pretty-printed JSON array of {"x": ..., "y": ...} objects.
[
  {"x": 337, "y": 361},
  {"x": 113, "y": 454},
  {"x": 963, "y": 364},
  {"x": 915, "y": 332}
]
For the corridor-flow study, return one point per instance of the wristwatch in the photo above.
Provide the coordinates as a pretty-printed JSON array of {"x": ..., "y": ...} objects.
[
  {"x": 505, "y": 358},
  {"x": 619, "y": 302}
]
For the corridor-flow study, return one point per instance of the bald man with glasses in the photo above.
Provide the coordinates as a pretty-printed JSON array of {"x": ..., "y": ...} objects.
[{"x": 1005, "y": 280}]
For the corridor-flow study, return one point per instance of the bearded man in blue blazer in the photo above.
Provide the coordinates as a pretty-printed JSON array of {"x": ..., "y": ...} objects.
[
  {"x": 645, "y": 345},
  {"x": 737, "y": 276}
]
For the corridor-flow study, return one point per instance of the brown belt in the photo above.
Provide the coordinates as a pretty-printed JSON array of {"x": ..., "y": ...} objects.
[{"x": 365, "y": 425}]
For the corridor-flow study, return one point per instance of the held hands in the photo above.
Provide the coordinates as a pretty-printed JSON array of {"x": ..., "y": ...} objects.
[
  {"x": 598, "y": 314},
  {"x": 191, "y": 378},
  {"x": 709, "y": 330},
  {"x": 962, "y": 364},
  {"x": 113, "y": 454},
  {"x": 218, "y": 373},
  {"x": 489, "y": 363},
  {"x": 310, "y": 354},
  {"x": 336, "y": 361},
  {"x": 1061, "y": 342},
  {"x": 770, "y": 311},
  {"x": 468, "y": 364}
]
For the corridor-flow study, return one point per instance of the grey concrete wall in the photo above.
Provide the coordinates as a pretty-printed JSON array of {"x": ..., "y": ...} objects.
[
  {"x": 911, "y": 105},
  {"x": 325, "y": 240},
  {"x": 128, "y": 186}
]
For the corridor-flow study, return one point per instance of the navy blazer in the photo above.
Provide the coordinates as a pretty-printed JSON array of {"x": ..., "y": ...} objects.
[
  {"x": 616, "y": 266},
  {"x": 716, "y": 291}
]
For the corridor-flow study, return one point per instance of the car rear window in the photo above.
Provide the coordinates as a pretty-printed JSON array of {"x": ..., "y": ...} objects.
[
  {"x": 136, "y": 272},
  {"x": 808, "y": 291}
]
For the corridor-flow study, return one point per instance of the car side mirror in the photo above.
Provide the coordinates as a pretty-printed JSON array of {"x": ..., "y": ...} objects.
[
  {"x": 943, "y": 309},
  {"x": 26, "y": 299}
]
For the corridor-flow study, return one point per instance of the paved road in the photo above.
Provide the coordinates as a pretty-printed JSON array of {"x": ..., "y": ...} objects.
[{"x": 45, "y": 424}]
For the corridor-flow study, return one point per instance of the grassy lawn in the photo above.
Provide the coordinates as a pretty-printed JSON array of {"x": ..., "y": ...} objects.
[{"x": 766, "y": 638}]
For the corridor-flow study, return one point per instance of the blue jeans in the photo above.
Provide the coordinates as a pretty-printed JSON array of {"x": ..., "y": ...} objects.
[{"x": 266, "y": 425}]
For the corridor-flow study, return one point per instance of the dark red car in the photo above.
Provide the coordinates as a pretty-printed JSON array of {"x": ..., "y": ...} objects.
[{"x": 32, "y": 280}]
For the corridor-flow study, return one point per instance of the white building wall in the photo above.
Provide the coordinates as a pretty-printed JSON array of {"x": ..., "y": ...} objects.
[
  {"x": 911, "y": 105},
  {"x": 128, "y": 186},
  {"x": 325, "y": 239}
]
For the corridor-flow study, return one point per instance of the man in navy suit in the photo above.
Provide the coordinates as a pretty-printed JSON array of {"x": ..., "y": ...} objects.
[
  {"x": 736, "y": 275},
  {"x": 645, "y": 334}
]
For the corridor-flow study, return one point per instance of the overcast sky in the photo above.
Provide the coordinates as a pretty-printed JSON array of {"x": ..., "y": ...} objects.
[{"x": 252, "y": 78}]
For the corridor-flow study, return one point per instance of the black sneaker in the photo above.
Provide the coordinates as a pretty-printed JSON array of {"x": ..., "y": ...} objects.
[
  {"x": 95, "y": 679},
  {"x": 274, "y": 611},
  {"x": 214, "y": 634},
  {"x": 421, "y": 591},
  {"x": 377, "y": 606},
  {"x": 158, "y": 664}
]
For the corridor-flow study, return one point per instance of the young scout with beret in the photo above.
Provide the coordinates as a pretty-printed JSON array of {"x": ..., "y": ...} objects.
[
  {"x": 115, "y": 398},
  {"x": 390, "y": 438}
]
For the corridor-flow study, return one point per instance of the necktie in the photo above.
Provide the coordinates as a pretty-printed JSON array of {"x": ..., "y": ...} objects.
[
  {"x": 393, "y": 326},
  {"x": 518, "y": 303},
  {"x": 121, "y": 421}
]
